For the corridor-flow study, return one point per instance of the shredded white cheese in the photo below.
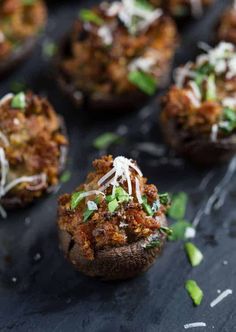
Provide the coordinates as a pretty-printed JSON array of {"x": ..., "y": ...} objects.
[
  {"x": 104, "y": 32},
  {"x": 214, "y": 132},
  {"x": 143, "y": 63},
  {"x": 194, "y": 325},
  {"x": 92, "y": 206},
  {"x": 128, "y": 9},
  {"x": 138, "y": 192},
  {"x": 190, "y": 233},
  {"x": 221, "y": 297},
  {"x": 6, "y": 98}
]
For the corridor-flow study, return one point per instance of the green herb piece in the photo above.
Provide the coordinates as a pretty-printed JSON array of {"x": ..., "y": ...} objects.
[
  {"x": 194, "y": 291},
  {"x": 164, "y": 199},
  {"x": 147, "y": 207},
  {"x": 178, "y": 230},
  {"x": 145, "y": 82},
  {"x": 168, "y": 231},
  {"x": 87, "y": 15},
  {"x": 152, "y": 244},
  {"x": 17, "y": 87},
  {"x": 194, "y": 254},
  {"x": 105, "y": 140},
  {"x": 19, "y": 101},
  {"x": 144, "y": 4},
  {"x": 65, "y": 177},
  {"x": 211, "y": 88},
  {"x": 113, "y": 205},
  {"x": 28, "y": 2},
  {"x": 87, "y": 214},
  {"x": 121, "y": 195},
  {"x": 228, "y": 123},
  {"x": 178, "y": 206},
  {"x": 109, "y": 198},
  {"x": 76, "y": 199},
  {"x": 49, "y": 49},
  {"x": 202, "y": 72}
]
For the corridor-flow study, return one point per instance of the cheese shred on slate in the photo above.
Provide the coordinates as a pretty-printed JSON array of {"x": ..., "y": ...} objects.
[
  {"x": 221, "y": 297},
  {"x": 194, "y": 325}
]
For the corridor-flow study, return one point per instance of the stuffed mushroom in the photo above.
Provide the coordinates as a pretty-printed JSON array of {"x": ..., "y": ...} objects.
[
  {"x": 117, "y": 55},
  {"x": 114, "y": 225},
  {"x": 184, "y": 8},
  {"x": 32, "y": 148},
  {"x": 199, "y": 112},
  {"x": 227, "y": 26},
  {"x": 20, "y": 23}
]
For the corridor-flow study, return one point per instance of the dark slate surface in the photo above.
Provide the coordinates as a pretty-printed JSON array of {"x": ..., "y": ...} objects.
[{"x": 40, "y": 291}]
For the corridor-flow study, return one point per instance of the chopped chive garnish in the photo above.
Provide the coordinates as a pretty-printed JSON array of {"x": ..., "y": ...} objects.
[
  {"x": 121, "y": 195},
  {"x": 168, "y": 231},
  {"x": 152, "y": 244},
  {"x": 164, "y": 199},
  {"x": 144, "y": 4},
  {"x": 211, "y": 88},
  {"x": 145, "y": 82},
  {"x": 113, "y": 205},
  {"x": 147, "y": 207},
  {"x": 194, "y": 291},
  {"x": 194, "y": 254},
  {"x": 109, "y": 198},
  {"x": 179, "y": 230},
  {"x": 105, "y": 140},
  {"x": 65, "y": 177},
  {"x": 76, "y": 199},
  {"x": 19, "y": 101},
  {"x": 178, "y": 206},
  {"x": 87, "y": 214},
  {"x": 49, "y": 49},
  {"x": 87, "y": 15}
]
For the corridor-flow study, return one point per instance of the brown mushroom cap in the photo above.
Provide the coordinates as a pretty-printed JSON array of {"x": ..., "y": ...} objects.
[
  {"x": 200, "y": 150},
  {"x": 113, "y": 263}
]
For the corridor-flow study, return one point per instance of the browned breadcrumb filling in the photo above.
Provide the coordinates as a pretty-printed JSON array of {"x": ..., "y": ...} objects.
[
  {"x": 180, "y": 7},
  {"x": 18, "y": 22},
  {"x": 128, "y": 224},
  {"x": 227, "y": 26},
  {"x": 178, "y": 105},
  {"x": 95, "y": 67},
  {"x": 35, "y": 143}
]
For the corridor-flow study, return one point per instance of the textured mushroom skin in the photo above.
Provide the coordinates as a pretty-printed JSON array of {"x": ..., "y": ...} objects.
[
  {"x": 113, "y": 263},
  {"x": 201, "y": 151}
]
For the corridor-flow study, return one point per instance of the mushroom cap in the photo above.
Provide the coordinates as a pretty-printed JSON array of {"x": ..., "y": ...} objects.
[
  {"x": 200, "y": 150},
  {"x": 113, "y": 263},
  {"x": 103, "y": 102}
]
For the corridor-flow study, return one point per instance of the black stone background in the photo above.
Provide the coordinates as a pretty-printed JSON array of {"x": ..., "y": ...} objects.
[{"x": 40, "y": 291}]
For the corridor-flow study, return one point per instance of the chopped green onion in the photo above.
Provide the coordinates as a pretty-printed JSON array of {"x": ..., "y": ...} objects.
[
  {"x": 194, "y": 254},
  {"x": 147, "y": 207},
  {"x": 228, "y": 123},
  {"x": 144, "y": 4},
  {"x": 49, "y": 49},
  {"x": 19, "y": 101},
  {"x": 76, "y": 199},
  {"x": 194, "y": 291},
  {"x": 179, "y": 230},
  {"x": 87, "y": 15},
  {"x": 164, "y": 199},
  {"x": 202, "y": 72},
  {"x": 121, "y": 195},
  {"x": 65, "y": 177},
  {"x": 168, "y": 231},
  {"x": 105, "y": 140},
  {"x": 152, "y": 244},
  {"x": 87, "y": 214},
  {"x": 109, "y": 198},
  {"x": 178, "y": 206},
  {"x": 113, "y": 205},
  {"x": 211, "y": 88},
  {"x": 145, "y": 82}
]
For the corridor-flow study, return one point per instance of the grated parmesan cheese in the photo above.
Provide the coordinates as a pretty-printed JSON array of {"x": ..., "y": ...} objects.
[
  {"x": 221, "y": 297},
  {"x": 214, "y": 132},
  {"x": 6, "y": 98},
  {"x": 128, "y": 9},
  {"x": 92, "y": 206},
  {"x": 104, "y": 32}
]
